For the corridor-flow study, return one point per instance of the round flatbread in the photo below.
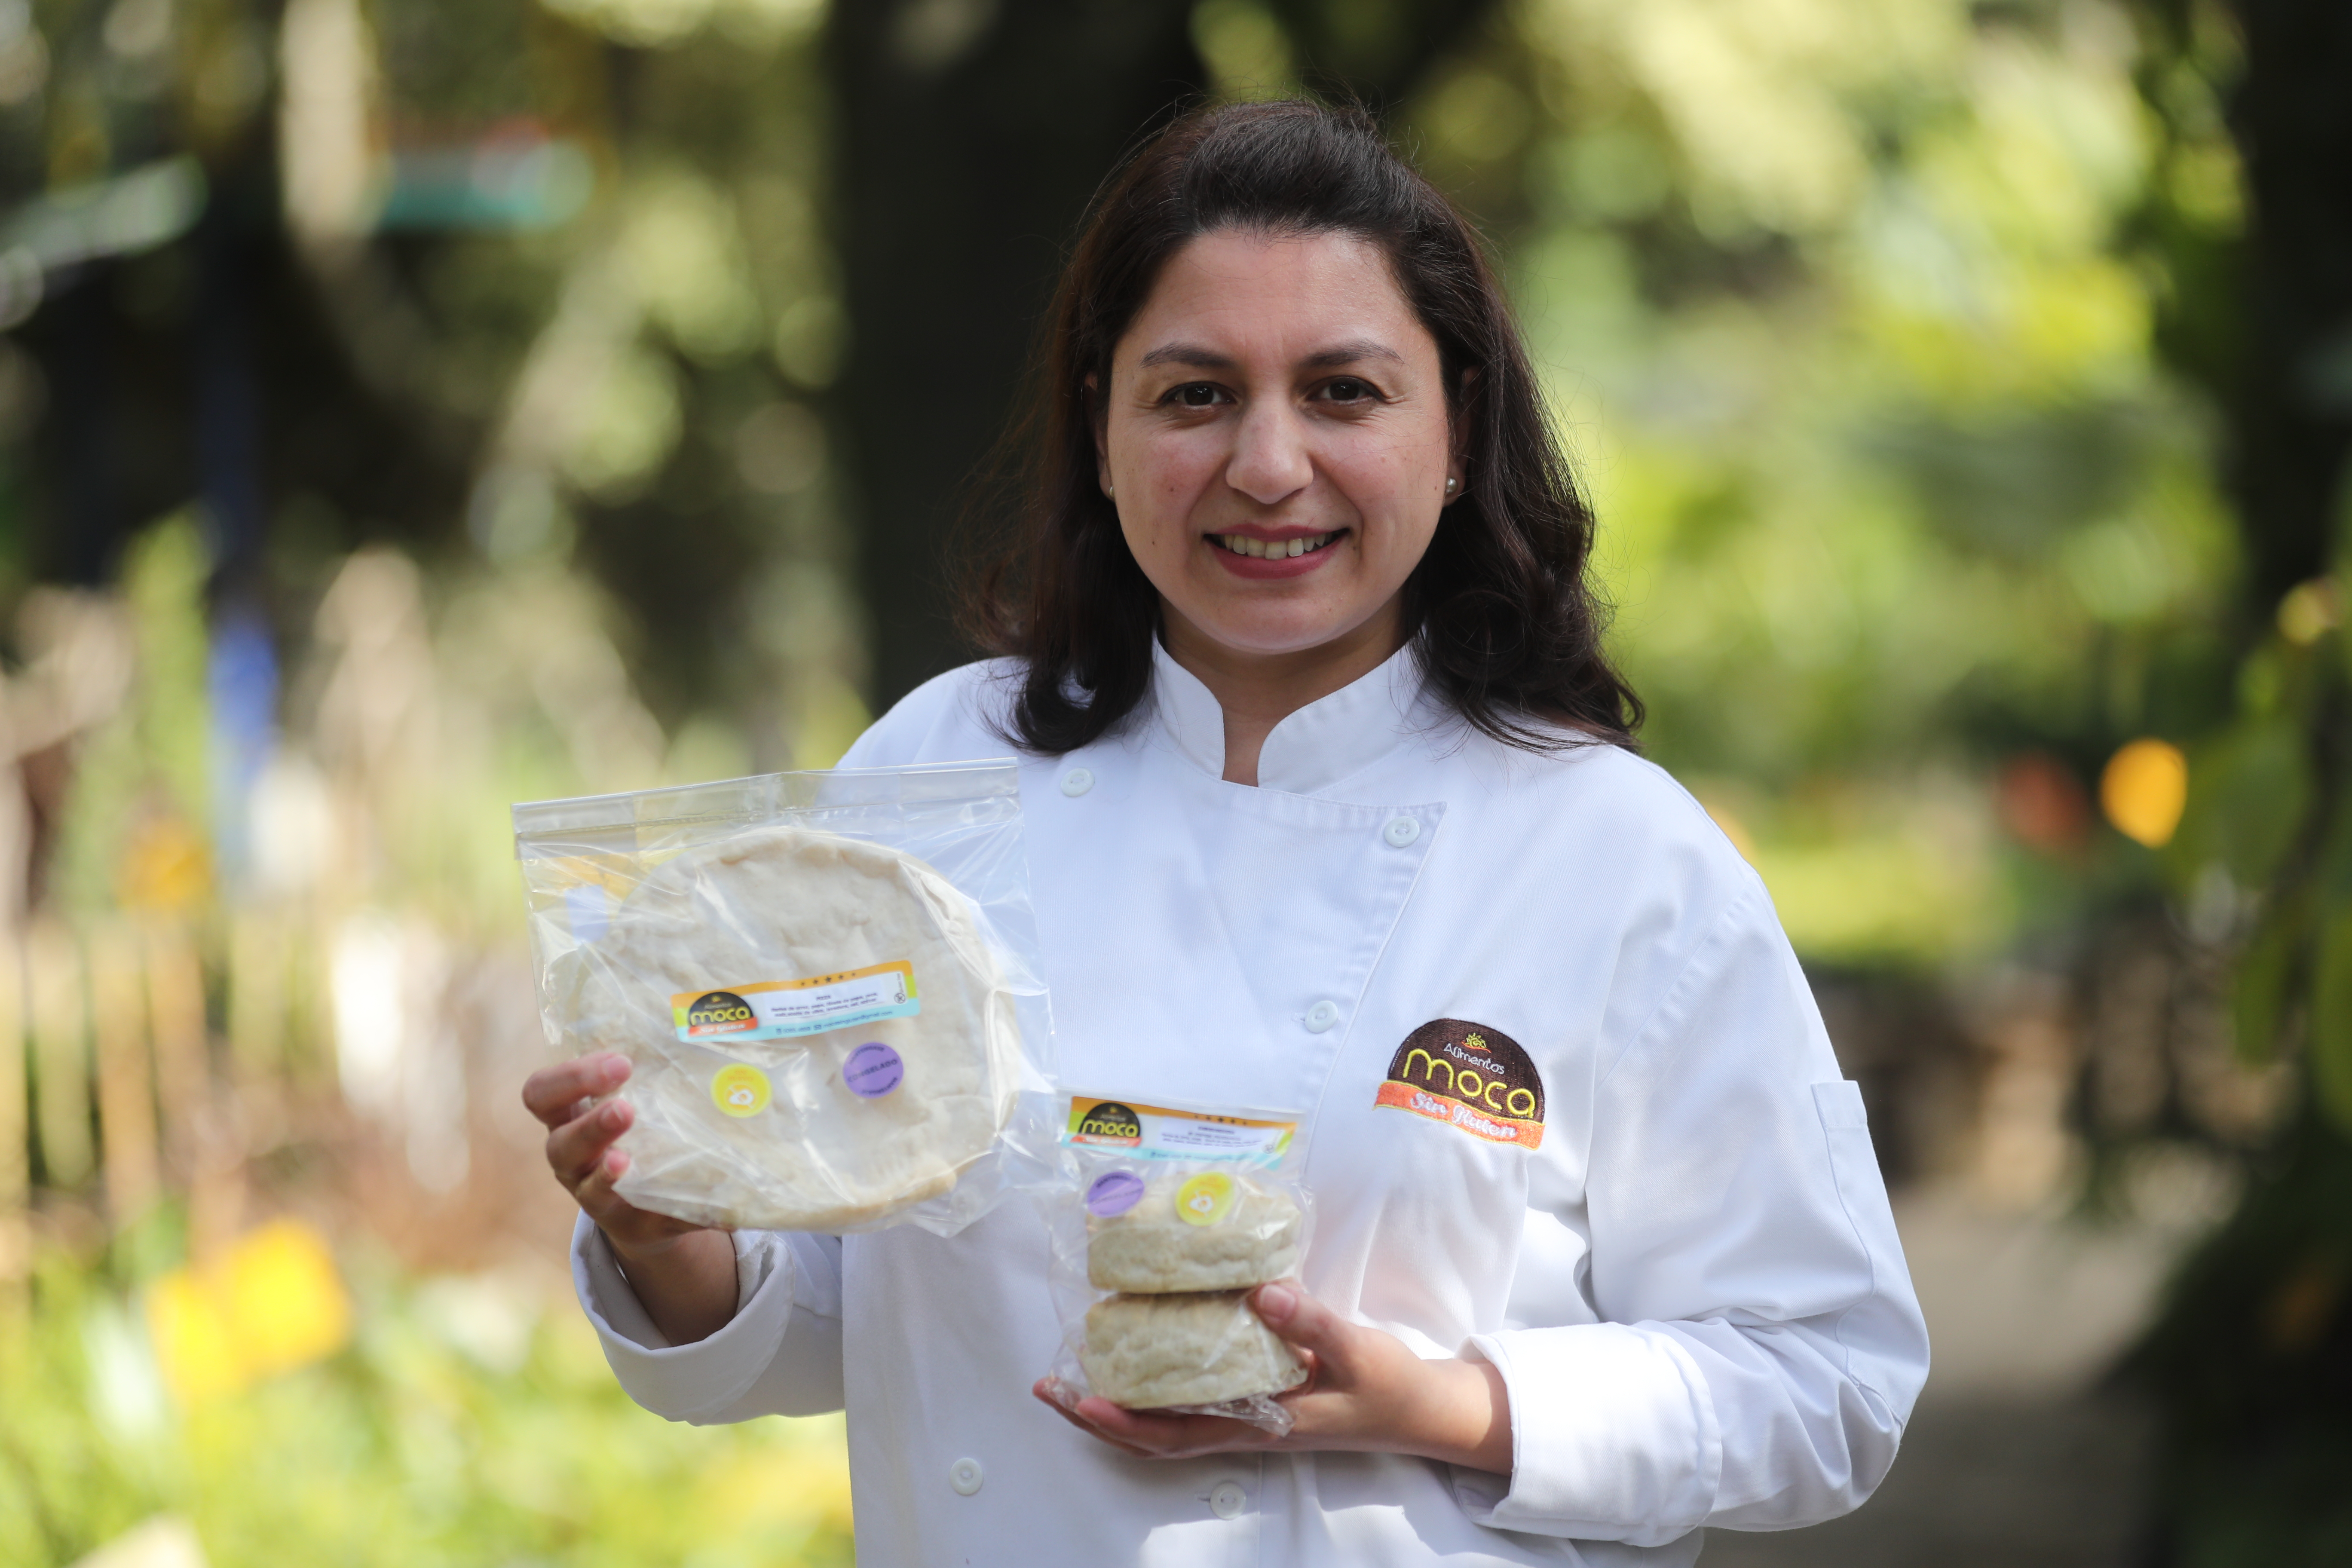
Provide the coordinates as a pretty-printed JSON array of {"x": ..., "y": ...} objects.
[
  {"x": 827, "y": 1130},
  {"x": 1148, "y": 1353},
  {"x": 1155, "y": 1249}
]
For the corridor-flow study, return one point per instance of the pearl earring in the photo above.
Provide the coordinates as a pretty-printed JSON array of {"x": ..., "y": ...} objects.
[{"x": 1452, "y": 485}]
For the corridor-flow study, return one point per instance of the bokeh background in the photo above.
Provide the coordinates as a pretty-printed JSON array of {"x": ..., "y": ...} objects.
[{"x": 411, "y": 406}]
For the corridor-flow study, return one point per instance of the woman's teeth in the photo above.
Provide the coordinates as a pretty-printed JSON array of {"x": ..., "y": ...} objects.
[{"x": 1242, "y": 544}]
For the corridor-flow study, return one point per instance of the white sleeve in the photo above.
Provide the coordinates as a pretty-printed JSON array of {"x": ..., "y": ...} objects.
[
  {"x": 1760, "y": 1346},
  {"x": 779, "y": 1355}
]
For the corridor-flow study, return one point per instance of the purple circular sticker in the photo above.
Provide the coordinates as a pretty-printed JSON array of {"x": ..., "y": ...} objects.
[
  {"x": 873, "y": 1070},
  {"x": 1114, "y": 1193}
]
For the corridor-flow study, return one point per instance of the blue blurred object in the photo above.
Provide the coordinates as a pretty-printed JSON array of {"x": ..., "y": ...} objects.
[
  {"x": 241, "y": 680},
  {"x": 504, "y": 181}
]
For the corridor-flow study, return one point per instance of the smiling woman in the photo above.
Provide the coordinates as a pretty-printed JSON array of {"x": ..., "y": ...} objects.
[
  {"x": 1329, "y": 804},
  {"x": 1288, "y": 447},
  {"x": 1277, "y": 357}
]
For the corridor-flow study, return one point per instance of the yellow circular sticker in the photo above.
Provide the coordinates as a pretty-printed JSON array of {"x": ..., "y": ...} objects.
[
  {"x": 741, "y": 1090},
  {"x": 1205, "y": 1199}
]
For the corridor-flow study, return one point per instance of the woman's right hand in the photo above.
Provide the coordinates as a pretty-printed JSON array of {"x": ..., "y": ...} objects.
[{"x": 684, "y": 1274}]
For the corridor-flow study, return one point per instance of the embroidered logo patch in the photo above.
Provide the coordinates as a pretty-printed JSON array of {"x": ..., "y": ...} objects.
[{"x": 1471, "y": 1076}]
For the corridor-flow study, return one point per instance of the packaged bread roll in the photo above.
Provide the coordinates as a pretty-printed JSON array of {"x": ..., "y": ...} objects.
[
  {"x": 1154, "y": 1352},
  {"x": 1157, "y": 1248},
  {"x": 1163, "y": 1219}
]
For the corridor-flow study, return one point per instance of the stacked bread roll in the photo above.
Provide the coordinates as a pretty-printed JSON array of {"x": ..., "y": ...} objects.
[{"x": 1183, "y": 1259}]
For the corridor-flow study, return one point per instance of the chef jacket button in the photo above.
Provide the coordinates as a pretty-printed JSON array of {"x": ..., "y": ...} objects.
[
  {"x": 1401, "y": 830},
  {"x": 1227, "y": 1500},
  {"x": 1322, "y": 1015},
  {"x": 1077, "y": 782},
  {"x": 965, "y": 1476}
]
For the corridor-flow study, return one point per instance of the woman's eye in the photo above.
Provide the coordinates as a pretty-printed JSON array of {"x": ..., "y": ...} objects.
[
  {"x": 1198, "y": 395},
  {"x": 1347, "y": 389}
]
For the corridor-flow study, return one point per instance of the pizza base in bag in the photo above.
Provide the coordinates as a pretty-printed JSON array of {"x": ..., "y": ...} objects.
[{"x": 781, "y": 931}]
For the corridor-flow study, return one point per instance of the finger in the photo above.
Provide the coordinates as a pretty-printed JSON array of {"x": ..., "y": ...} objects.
[
  {"x": 635, "y": 1235},
  {"x": 1303, "y": 1322},
  {"x": 551, "y": 1094},
  {"x": 1067, "y": 1414},
  {"x": 1147, "y": 1437},
  {"x": 616, "y": 1216},
  {"x": 1167, "y": 1435},
  {"x": 593, "y": 1191},
  {"x": 573, "y": 1149}
]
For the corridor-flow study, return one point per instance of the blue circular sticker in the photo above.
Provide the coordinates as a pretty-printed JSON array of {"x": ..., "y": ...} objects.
[
  {"x": 1114, "y": 1193},
  {"x": 873, "y": 1070}
]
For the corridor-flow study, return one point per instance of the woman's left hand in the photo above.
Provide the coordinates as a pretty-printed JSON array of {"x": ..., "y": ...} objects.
[{"x": 1364, "y": 1391}]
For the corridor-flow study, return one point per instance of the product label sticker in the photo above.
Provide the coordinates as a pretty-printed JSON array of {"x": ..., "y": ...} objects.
[
  {"x": 873, "y": 1070},
  {"x": 1205, "y": 1199},
  {"x": 771, "y": 1009},
  {"x": 1158, "y": 1133},
  {"x": 741, "y": 1090},
  {"x": 1113, "y": 1194},
  {"x": 1470, "y": 1076}
]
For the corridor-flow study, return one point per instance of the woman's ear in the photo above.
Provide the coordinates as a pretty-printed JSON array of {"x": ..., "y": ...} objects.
[{"x": 1457, "y": 421}]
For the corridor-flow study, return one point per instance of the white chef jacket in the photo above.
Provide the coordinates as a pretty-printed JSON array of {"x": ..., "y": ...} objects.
[{"x": 1691, "y": 1284}]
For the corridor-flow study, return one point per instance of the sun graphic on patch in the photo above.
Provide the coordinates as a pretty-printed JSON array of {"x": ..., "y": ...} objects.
[{"x": 1469, "y": 1076}]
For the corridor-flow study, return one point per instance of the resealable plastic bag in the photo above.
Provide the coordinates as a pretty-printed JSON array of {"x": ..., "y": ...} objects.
[
  {"x": 1163, "y": 1219},
  {"x": 827, "y": 985}
]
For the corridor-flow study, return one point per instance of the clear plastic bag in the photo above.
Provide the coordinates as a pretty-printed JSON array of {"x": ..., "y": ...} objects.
[
  {"x": 1164, "y": 1219},
  {"x": 826, "y": 984}
]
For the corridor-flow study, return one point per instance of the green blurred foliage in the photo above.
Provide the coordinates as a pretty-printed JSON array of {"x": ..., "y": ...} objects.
[
  {"x": 148, "y": 765},
  {"x": 467, "y": 1426},
  {"x": 1842, "y": 305}
]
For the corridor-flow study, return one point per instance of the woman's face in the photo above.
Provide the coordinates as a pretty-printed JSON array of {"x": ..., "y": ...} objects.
[{"x": 1277, "y": 439}]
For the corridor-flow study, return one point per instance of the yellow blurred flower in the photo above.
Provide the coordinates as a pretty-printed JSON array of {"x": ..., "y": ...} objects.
[
  {"x": 272, "y": 1303},
  {"x": 164, "y": 866},
  {"x": 194, "y": 1341},
  {"x": 2143, "y": 790}
]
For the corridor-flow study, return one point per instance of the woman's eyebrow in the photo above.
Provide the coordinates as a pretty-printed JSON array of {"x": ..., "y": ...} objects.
[
  {"x": 1349, "y": 353},
  {"x": 1187, "y": 354},
  {"x": 1321, "y": 359}
]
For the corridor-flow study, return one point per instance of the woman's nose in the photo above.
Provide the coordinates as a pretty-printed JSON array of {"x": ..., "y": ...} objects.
[{"x": 1270, "y": 460}]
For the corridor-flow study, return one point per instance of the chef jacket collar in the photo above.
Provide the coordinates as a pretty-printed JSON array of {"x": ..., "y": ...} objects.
[{"x": 1312, "y": 749}]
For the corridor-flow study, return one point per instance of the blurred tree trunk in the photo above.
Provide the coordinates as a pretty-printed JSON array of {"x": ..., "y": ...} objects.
[
  {"x": 2251, "y": 1361},
  {"x": 971, "y": 134},
  {"x": 2292, "y": 413}
]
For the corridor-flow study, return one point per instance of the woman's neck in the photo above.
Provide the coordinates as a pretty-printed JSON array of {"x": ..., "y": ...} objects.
[{"x": 1259, "y": 691}]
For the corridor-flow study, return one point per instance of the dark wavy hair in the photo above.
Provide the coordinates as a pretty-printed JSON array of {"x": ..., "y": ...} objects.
[{"x": 1504, "y": 619}]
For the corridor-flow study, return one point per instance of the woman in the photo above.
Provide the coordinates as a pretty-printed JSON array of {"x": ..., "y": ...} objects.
[{"x": 1327, "y": 776}]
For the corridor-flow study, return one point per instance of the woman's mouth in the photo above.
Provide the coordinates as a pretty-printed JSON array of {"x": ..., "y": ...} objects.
[{"x": 1274, "y": 549}]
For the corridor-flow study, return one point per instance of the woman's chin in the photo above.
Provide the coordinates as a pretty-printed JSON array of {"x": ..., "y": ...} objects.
[{"x": 1271, "y": 631}]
